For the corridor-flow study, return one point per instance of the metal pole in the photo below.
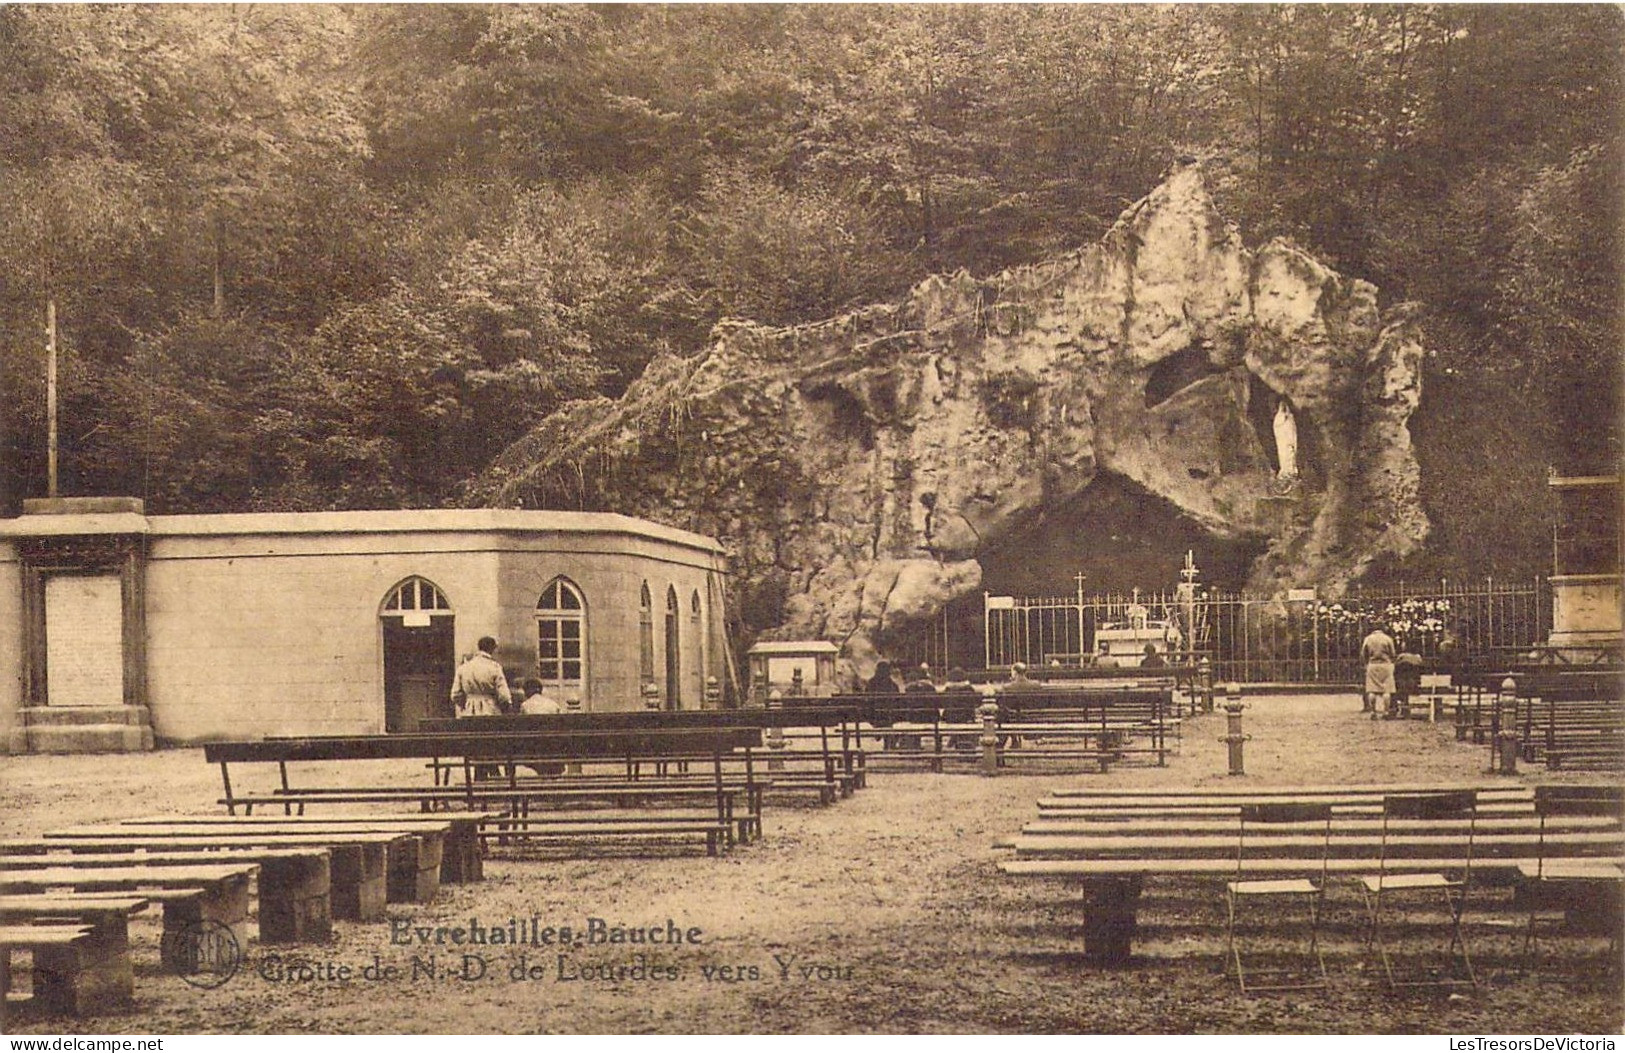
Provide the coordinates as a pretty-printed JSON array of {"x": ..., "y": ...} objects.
[
  {"x": 50, "y": 396},
  {"x": 1079, "y": 648},
  {"x": 1314, "y": 629},
  {"x": 987, "y": 633}
]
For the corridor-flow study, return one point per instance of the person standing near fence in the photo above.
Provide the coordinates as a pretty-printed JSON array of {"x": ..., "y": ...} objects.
[{"x": 1377, "y": 651}]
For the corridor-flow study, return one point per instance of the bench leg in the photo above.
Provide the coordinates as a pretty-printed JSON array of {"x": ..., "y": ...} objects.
[
  {"x": 226, "y": 904},
  {"x": 463, "y": 862},
  {"x": 296, "y": 900},
  {"x": 1110, "y": 921},
  {"x": 414, "y": 869},
  {"x": 360, "y": 888},
  {"x": 88, "y": 976}
]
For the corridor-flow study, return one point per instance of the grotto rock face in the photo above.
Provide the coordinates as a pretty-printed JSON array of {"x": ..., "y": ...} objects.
[{"x": 857, "y": 467}]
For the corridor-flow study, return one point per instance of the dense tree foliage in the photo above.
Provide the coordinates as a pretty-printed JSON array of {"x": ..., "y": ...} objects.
[{"x": 334, "y": 257}]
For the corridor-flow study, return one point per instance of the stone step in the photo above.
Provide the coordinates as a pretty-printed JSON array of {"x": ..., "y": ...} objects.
[
  {"x": 89, "y": 738},
  {"x": 39, "y": 716}
]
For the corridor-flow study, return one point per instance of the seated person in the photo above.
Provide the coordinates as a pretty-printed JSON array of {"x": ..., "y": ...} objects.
[
  {"x": 537, "y": 700},
  {"x": 882, "y": 682},
  {"x": 1103, "y": 657},
  {"x": 962, "y": 709},
  {"x": 1407, "y": 682},
  {"x": 922, "y": 682},
  {"x": 1152, "y": 659}
]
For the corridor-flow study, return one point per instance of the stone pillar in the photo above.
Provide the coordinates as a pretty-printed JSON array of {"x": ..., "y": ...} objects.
[
  {"x": 988, "y": 713},
  {"x": 82, "y": 563}
]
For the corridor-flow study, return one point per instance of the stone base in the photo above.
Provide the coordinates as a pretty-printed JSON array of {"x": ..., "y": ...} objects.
[
  {"x": 1584, "y": 638},
  {"x": 83, "y": 729}
]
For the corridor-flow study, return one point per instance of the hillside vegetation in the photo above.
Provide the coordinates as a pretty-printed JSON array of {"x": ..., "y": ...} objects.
[{"x": 326, "y": 257}]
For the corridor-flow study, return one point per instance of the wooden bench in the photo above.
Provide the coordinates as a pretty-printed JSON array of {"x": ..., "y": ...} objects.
[
  {"x": 366, "y": 869},
  {"x": 1097, "y": 726},
  {"x": 1352, "y": 801},
  {"x": 190, "y": 894},
  {"x": 808, "y": 747},
  {"x": 1190, "y": 694},
  {"x": 1548, "y": 703},
  {"x": 1572, "y": 719},
  {"x": 462, "y": 856},
  {"x": 505, "y": 751},
  {"x": 71, "y": 975},
  {"x": 507, "y": 805},
  {"x": 295, "y": 900},
  {"x": 414, "y": 850},
  {"x": 1434, "y": 699},
  {"x": 1110, "y": 843}
]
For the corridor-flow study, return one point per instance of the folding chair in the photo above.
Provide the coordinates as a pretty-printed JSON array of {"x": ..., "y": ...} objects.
[
  {"x": 1553, "y": 892},
  {"x": 1244, "y": 890},
  {"x": 1382, "y": 887}
]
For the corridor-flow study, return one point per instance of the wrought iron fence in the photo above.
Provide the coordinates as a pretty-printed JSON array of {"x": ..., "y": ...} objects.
[{"x": 1249, "y": 637}]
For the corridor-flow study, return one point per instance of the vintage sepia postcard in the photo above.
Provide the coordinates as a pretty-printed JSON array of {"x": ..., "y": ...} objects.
[{"x": 811, "y": 519}]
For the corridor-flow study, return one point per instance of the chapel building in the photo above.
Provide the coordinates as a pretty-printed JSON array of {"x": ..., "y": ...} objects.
[{"x": 118, "y": 628}]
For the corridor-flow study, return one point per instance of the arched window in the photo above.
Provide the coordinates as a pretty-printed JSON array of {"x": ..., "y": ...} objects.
[
  {"x": 561, "y": 637},
  {"x": 674, "y": 664},
  {"x": 646, "y": 636},
  {"x": 415, "y": 594},
  {"x": 697, "y": 648}
]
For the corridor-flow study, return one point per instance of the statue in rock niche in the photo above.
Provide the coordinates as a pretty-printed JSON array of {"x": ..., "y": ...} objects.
[{"x": 1286, "y": 441}]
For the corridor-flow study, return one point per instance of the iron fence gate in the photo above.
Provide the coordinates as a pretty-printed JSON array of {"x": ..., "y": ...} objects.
[
  {"x": 1299, "y": 638},
  {"x": 1249, "y": 637}
]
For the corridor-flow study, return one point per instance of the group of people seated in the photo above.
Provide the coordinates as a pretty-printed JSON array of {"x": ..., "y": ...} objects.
[
  {"x": 884, "y": 682},
  {"x": 922, "y": 682}
]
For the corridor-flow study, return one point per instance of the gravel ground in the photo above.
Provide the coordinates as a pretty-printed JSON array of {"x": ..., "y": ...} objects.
[{"x": 884, "y": 913}]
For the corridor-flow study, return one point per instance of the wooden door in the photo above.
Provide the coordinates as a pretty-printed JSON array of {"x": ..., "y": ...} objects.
[{"x": 419, "y": 662}]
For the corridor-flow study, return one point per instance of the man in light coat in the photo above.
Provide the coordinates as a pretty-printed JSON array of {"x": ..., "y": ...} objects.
[{"x": 480, "y": 688}]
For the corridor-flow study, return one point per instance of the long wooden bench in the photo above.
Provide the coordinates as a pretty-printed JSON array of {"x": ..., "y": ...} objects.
[
  {"x": 462, "y": 855},
  {"x": 1096, "y": 726},
  {"x": 1483, "y": 714},
  {"x": 71, "y": 974},
  {"x": 414, "y": 851},
  {"x": 507, "y": 806},
  {"x": 294, "y": 891},
  {"x": 1191, "y": 694},
  {"x": 191, "y": 894},
  {"x": 413, "y": 856},
  {"x": 808, "y": 748},
  {"x": 1572, "y": 719},
  {"x": 1110, "y": 843},
  {"x": 366, "y": 870},
  {"x": 505, "y": 751},
  {"x": 369, "y": 868}
]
